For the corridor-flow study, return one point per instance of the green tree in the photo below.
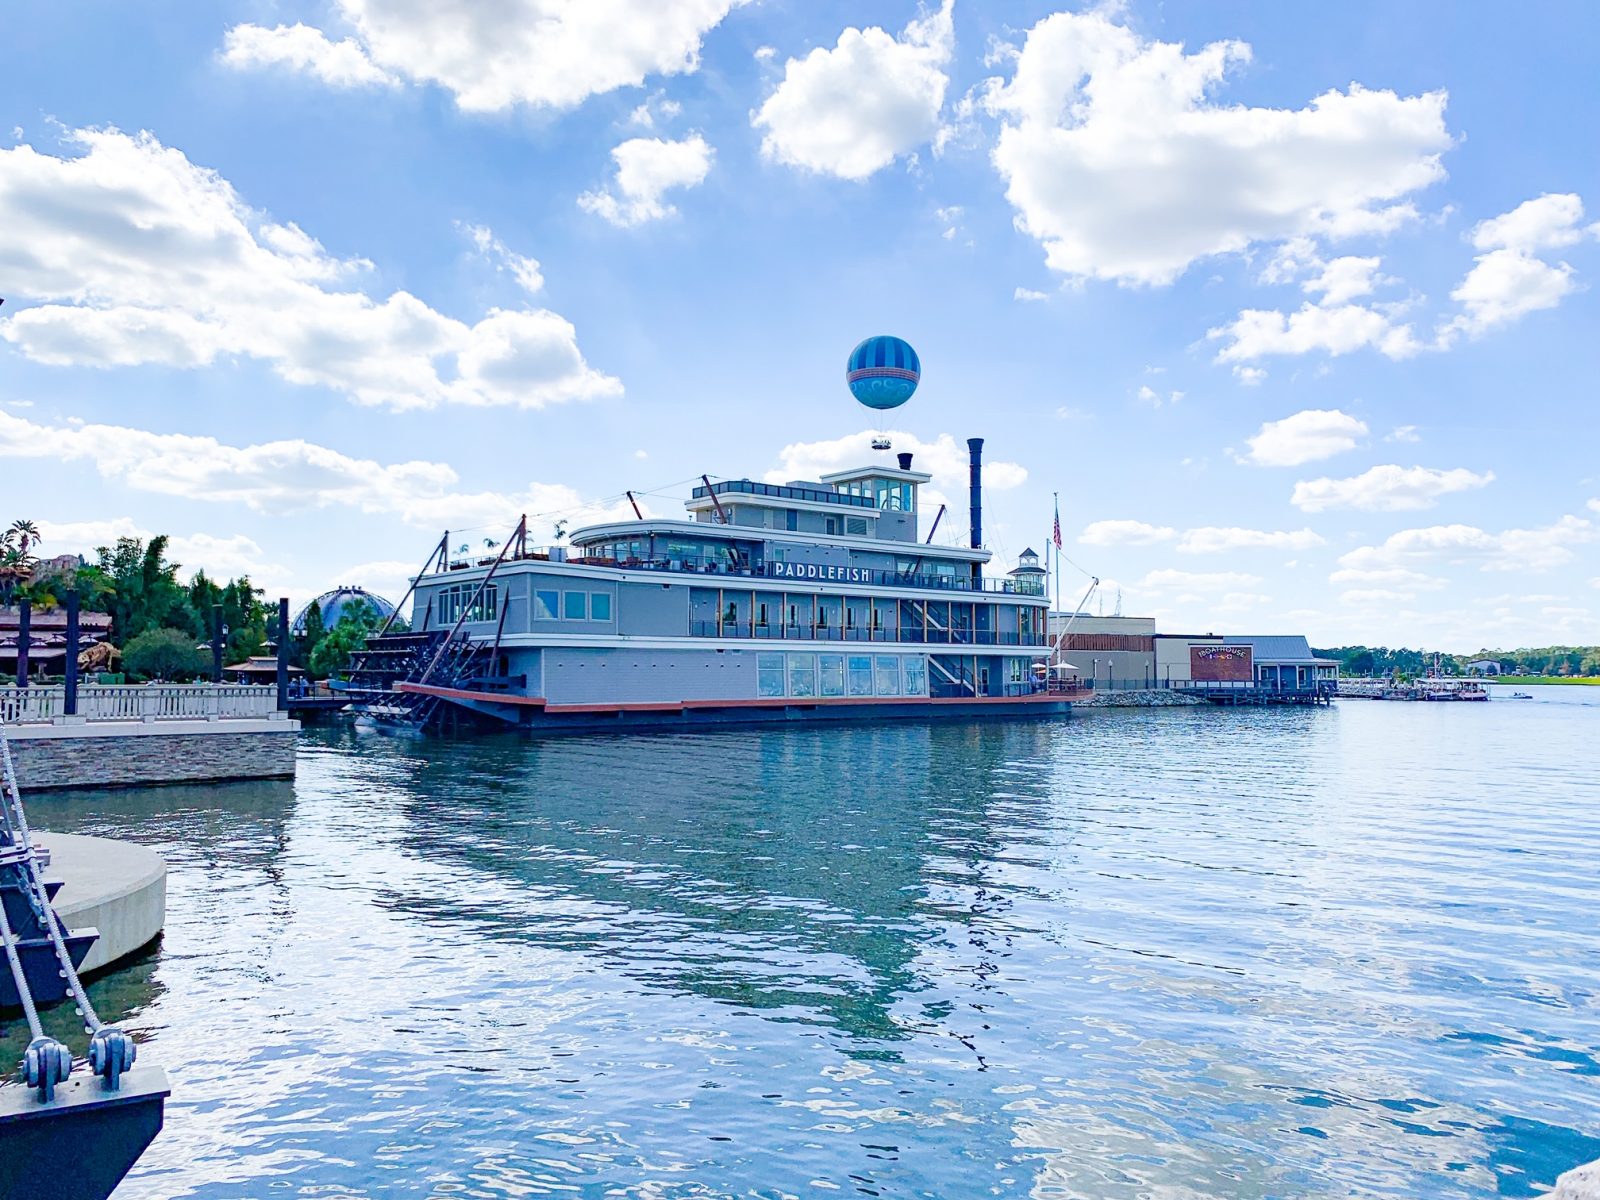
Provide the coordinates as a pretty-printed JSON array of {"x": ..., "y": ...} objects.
[
  {"x": 332, "y": 654},
  {"x": 145, "y": 592},
  {"x": 311, "y": 633},
  {"x": 17, "y": 560},
  {"x": 164, "y": 654}
]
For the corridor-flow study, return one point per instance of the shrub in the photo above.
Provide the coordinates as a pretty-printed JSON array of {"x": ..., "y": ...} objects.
[{"x": 164, "y": 654}]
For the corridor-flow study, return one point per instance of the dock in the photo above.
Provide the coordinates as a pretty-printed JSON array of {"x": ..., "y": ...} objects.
[
  {"x": 118, "y": 888},
  {"x": 123, "y": 735}
]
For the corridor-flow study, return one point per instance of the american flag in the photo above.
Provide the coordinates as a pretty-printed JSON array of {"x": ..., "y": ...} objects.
[{"x": 1055, "y": 535}]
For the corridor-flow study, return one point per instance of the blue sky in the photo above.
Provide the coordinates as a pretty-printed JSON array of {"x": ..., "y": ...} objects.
[{"x": 1297, "y": 317}]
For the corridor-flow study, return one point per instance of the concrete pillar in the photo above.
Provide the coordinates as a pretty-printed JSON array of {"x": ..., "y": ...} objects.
[
  {"x": 283, "y": 653},
  {"x": 24, "y": 635},
  {"x": 69, "y": 702}
]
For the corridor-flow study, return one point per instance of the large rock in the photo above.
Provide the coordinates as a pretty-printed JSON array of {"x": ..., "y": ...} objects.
[{"x": 1580, "y": 1183}]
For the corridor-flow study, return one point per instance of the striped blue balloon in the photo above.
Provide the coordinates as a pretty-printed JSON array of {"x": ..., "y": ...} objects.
[{"x": 883, "y": 372}]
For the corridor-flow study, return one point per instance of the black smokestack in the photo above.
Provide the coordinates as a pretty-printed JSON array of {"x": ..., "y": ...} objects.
[
  {"x": 905, "y": 460},
  {"x": 975, "y": 449}
]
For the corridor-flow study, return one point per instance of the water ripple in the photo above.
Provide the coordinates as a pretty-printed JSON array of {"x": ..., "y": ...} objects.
[{"x": 1136, "y": 954}]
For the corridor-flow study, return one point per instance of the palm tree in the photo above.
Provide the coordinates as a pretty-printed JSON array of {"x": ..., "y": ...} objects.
[{"x": 17, "y": 560}]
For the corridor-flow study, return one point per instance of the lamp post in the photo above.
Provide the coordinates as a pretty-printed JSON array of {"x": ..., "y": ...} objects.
[{"x": 218, "y": 632}]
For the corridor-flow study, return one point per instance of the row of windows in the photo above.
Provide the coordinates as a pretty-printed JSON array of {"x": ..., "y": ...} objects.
[
  {"x": 456, "y": 598},
  {"x": 804, "y": 676},
  {"x": 571, "y": 606},
  {"x": 898, "y": 619},
  {"x": 884, "y": 493}
]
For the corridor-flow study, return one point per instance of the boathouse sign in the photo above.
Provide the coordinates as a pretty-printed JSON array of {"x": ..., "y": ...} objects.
[{"x": 820, "y": 572}]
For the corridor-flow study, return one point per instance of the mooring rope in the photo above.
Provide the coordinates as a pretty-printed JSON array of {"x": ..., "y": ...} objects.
[{"x": 111, "y": 1051}]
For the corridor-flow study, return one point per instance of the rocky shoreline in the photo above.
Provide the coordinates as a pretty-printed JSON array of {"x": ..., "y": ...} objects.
[{"x": 1140, "y": 698}]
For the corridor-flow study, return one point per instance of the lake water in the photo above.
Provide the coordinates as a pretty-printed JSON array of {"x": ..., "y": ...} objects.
[{"x": 1168, "y": 953}]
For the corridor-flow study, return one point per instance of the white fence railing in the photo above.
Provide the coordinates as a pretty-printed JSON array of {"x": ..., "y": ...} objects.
[{"x": 136, "y": 702}]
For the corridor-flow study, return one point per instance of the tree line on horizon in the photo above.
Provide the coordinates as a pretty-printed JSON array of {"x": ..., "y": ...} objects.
[
  {"x": 163, "y": 626},
  {"x": 1543, "y": 660}
]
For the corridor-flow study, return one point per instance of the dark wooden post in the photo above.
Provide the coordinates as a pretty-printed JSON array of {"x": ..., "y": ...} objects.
[
  {"x": 69, "y": 703},
  {"x": 216, "y": 643},
  {"x": 283, "y": 653},
  {"x": 24, "y": 636}
]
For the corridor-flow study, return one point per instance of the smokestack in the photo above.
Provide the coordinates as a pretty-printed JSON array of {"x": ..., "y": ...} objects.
[
  {"x": 975, "y": 450},
  {"x": 905, "y": 460}
]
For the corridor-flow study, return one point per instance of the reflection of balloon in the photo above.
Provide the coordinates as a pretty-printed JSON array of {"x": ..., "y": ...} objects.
[{"x": 883, "y": 372}]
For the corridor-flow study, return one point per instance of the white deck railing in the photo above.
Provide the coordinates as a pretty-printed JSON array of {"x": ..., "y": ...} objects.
[{"x": 141, "y": 702}]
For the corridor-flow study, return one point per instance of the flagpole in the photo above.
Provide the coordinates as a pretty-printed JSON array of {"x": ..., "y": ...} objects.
[{"x": 1054, "y": 534}]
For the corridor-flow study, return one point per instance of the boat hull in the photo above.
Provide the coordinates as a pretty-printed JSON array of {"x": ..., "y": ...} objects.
[
  {"x": 79, "y": 1145},
  {"x": 534, "y": 716}
]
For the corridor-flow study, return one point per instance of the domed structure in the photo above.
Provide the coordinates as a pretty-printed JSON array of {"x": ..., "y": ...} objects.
[
  {"x": 883, "y": 371},
  {"x": 335, "y": 602}
]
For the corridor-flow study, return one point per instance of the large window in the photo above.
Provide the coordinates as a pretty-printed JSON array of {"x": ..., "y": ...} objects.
[
  {"x": 888, "y": 675},
  {"x": 575, "y": 606},
  {"x": 916, "y": 675},
  {"x": 802, "y": 675},
  {"x": 456, "y": 599},
  {"x": 600, "y": 606},
  {"x": 769, "y": 672},
  {"x": 860, "y": 674},
  {"x": 546, "y": 605},
  {"x": 831, "y": 674}
]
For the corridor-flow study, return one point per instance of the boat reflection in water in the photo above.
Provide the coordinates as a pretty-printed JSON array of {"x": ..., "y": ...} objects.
[{"x": 699, "y": 872}]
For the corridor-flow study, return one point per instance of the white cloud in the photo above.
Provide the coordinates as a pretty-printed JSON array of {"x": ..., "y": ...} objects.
[
  {"x": 1125, "y": 533},
  {"x": 1249, "y": 376},
  {"x": 1370, "y": 596},
  {"x": 1403, "y": 433},
  {"x": 1505, "y": 285},
  {"x": 1388, "y": 577},
  {"x": 1208, "y": 539},
  {"x": 852, "y": 110},
  {"x": 1213, "y": 539},
  {"x": 1511, "y": 550},
  {"x": 1386, "y": 489},
  {"x": 219, "y": 557},
  {"x": 1345, "y": 279},
  {"x": 647, "y": 168},
  {"x": 656, "y": 108},
  {"x": 1340, "y": 329},
  {"x": 140, "y": 256},
  {"x": 542, "y": 53},
  {"x": 1148, "y": 395},
  {"x": 944, "y": 458},
  {"x": 388, "y": 578},
  {"x": 1198, "y": 581},
  {"x": 302, "y": 48},
  {"x": 1547, "y": 223},
  {"x": 1109, "y": 140},
  {"x": 1507, "y": 281},
  {"x": 1028, "y": 295},
  {"x": 1594, "y": 505},
  {"x": 1239, "y": 602},
  {"x": 1307, "y": 436},
  {"x": 523, "y": 269},
  {"x": 285, "y": 476}
]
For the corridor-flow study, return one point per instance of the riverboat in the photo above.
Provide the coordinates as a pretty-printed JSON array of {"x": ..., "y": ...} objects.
[{"x": 810, "y": 600}]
